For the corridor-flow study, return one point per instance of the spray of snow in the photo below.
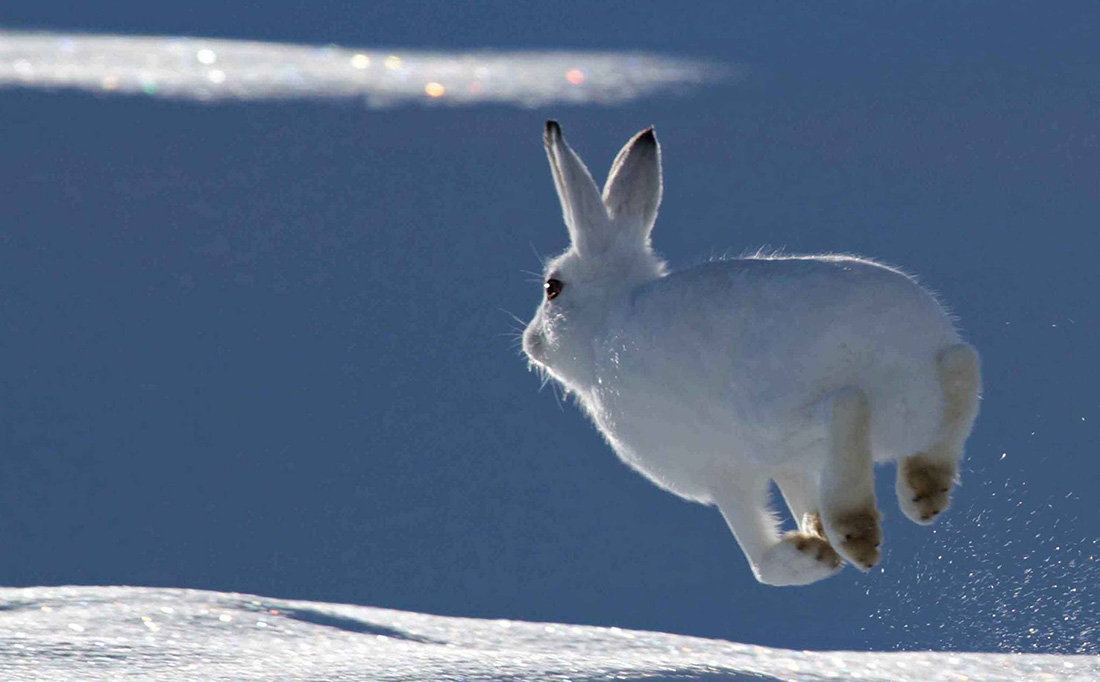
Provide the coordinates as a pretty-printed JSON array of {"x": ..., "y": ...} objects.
[{"x": 1029, "y": 582}]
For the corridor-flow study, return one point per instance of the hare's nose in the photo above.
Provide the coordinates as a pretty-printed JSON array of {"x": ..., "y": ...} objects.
[{"x": 532, "y": 343}]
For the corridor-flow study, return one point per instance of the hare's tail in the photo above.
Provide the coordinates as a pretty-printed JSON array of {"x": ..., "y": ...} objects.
[{"x": 961, "y": 382}]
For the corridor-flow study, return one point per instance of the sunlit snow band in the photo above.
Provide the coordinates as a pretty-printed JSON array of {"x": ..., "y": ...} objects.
[{"x": 209, "y": 69}]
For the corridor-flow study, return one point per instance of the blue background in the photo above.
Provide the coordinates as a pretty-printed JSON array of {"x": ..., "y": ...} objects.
[{"x": 262, "y": 347}]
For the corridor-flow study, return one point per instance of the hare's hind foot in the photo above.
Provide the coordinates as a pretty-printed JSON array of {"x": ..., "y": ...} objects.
[
  {"x": 925, "y": 480},
  {"x": 924, "y": 486},
  {"x": 848, "y": 513},
  {"x": 858, "y": 535},
  {"x": 799, "y": 558}
]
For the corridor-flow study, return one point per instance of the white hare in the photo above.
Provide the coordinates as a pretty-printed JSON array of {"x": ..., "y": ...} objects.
[{"x": 714, "y": 380}]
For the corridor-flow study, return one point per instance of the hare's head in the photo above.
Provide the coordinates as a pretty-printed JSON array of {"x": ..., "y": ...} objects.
[{"x": 609, "y": 253}]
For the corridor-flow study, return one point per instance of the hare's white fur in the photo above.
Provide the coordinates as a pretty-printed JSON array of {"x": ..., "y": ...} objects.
[{"x": 714, "y": 380}]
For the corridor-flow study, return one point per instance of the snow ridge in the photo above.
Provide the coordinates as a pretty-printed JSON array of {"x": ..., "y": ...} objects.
[{"x": 122, "y": 633}]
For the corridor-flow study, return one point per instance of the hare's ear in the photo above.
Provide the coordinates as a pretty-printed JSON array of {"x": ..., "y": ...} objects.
[
  {"x": 581, "y": 206},
  {"x": 633, "y": 190}
]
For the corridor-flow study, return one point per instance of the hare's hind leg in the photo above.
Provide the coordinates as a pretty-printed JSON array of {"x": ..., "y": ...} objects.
[
  {"x": 797, "y": 558},
  {"x": 847, "y": 489},
  {"x": 925, "y": 479}
]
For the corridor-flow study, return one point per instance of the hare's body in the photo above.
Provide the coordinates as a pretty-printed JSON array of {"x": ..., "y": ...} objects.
[
  {"x": 764, "y": 341},
  {"x": 717, "y": 380}
]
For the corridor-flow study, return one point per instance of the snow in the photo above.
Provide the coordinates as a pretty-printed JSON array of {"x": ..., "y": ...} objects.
[
  {"x": 121, "y": 633},
  {"x": 213, "y": 69}
]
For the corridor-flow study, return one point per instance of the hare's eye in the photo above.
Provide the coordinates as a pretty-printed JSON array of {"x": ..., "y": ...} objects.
[{"x": 553, "y": 288}]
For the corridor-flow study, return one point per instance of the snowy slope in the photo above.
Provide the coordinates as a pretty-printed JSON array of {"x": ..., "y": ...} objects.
[{"x": 118, "y": 633}]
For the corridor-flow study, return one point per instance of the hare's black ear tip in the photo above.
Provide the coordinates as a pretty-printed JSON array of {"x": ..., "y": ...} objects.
[
  {"x": 552, "y": 133},
  {"x": 645, "y": 140}
]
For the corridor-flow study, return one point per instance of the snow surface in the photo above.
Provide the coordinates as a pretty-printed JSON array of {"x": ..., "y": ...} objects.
[
  {"x": 120, "y": 633},
  {"x": 213, "y": 69}
]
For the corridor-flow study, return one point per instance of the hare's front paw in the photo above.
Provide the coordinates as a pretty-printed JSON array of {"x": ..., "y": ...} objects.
[
  {"x": 924, "y": 487},
  {"x": 857, "y": 535},
  {"x": 800, "y": 558}
]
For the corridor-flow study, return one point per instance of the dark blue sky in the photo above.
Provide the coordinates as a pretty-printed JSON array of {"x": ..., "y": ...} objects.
[{"x": 261, "y": 347}]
